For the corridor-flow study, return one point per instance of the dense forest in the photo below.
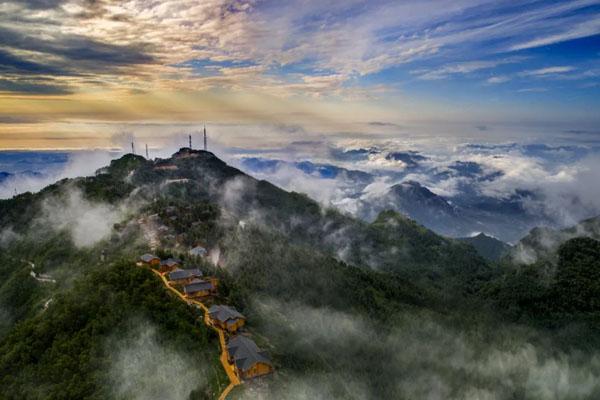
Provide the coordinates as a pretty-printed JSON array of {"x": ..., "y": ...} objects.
[{"x": 346, "y": 309}]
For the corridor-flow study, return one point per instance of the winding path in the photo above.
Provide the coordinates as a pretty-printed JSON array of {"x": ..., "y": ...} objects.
[{"x": 233, "y": 378}]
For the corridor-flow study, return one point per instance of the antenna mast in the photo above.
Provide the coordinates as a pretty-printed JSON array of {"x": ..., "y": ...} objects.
[
  {"x": 132, "y": 148},
  {"x": 190, "y": 137},
  {"x": 205, "y": 147},
  {"x": 147, "y": 152}
]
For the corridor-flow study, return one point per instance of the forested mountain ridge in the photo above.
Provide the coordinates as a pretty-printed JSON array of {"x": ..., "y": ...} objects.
[{"x": 358, "y": 310}]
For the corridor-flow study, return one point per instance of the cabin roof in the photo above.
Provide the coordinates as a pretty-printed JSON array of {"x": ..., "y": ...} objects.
[
  {"x": 224, "y": 313},
  {"x": 170, "y": 262},
  {"x": 198, "y": 285},
  {"x": 246, "y": 353},
  {"x": 184, "y": 274},
  {"x": 148, "y": 257}
]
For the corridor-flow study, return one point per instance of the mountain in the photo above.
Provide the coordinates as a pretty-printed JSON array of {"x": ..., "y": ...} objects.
[
  {"x": 488, "y": 247},
  {"x": 364, "y": 193},
  {"x": 456, "y": 217},
  {"x": 345, "y": 308},
  {"x": 543, "y": 242},
  {"x": 420, "y": 204}
]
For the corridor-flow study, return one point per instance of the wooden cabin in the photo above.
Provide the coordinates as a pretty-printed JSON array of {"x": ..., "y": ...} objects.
[
  {"x": 169, "y": 265},
  {"x": 227, "y": 318},
  {"x": 184, "y": 276},
  {"x": 150, "y": 259},
  {"x": 199, "y": 288},
  {"x": 248, "y": 360}
]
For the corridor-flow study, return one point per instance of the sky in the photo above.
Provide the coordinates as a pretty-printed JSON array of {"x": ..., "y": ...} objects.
[{"x": 82, "y": 74}]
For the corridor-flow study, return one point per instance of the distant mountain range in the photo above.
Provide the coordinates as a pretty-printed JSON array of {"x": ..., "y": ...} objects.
[{"x": 459, "y": 216}]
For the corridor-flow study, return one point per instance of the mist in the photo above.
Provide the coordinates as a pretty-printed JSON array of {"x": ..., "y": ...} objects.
[
  {"x": 420, "y": 355},
  {"x": 80, "y": 163},
  {"x": 143, "y": 368},
  {"x": 87, "y": 222}
]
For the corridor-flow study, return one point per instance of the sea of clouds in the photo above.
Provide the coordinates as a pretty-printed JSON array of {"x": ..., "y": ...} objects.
[{"x": 552, "y": 184}]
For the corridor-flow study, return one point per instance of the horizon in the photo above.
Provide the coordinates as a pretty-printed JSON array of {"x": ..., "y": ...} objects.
[{"x": 77, "y": 74}]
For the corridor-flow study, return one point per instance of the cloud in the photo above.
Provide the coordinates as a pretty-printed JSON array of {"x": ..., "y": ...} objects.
[
  {"x": 547, "y": 71},
  {"x": 142, "y": 368},
  {"x": 498, "y": 79},
  {"x": 533, "y": 90},
  {"x": 78, "y": 164},
  {"x": 422, "y": 356},
  {"x": 7, "y": 236},
  {"x": 28, "y": 87},
  {"x": 86, "y": 221},
  {"x": 463, "y": 68},
  {"x": 584, "y": 29},
  {"x": 284, "y": 50}
]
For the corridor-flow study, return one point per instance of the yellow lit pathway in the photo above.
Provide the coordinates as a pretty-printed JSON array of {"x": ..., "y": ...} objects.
[{"x": 233, "y": 378}]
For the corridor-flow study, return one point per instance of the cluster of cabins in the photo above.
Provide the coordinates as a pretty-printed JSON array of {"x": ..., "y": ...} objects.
[{"x": 248, "y": 360}]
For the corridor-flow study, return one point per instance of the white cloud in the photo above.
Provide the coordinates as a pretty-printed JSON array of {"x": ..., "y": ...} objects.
[
  {"x": 581, "y": 30},
  {"x": 547, "y": 71},
  {"x": 498, "y": 79},
  {"x": 87, "y": 222},
  {"x": 463, "y": 68},
  {"x": 83, "y": 163},
  {"x": 142, "y": 368}
]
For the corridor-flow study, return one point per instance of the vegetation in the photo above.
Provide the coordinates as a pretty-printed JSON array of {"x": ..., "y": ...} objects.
[
  {"x": 66, "y": 351},
  {"x": 321, "y": 290}
]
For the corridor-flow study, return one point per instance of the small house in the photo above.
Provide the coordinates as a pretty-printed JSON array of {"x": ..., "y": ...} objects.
[
  {"x": 169, "y": 265},
  {"x": 248, "y": 360},
  {"x": 150, "y": 259},
  {"x": 184, "y": 276},
  {"x": 226, "y": 317},
  {"x": 198, "y": 251},
  {"x": 198, "y": 288}
]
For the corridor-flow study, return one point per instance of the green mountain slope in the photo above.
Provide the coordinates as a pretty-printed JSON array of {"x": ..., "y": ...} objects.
[
  {"x": 488, "y": 247},
  {"x": 345, "y": 308},
  {"x": 543, "y": 242}
]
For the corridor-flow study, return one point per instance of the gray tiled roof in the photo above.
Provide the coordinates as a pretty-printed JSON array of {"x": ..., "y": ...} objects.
[
  {"x": 147, "y": 257},
  {"x": 224, "y": 313},
  {"x": 184, "y": 274},
  {"x": 197, "y": 285},
  {"x": 245, "y": 353},
  {"x": 170, "y": 262}
]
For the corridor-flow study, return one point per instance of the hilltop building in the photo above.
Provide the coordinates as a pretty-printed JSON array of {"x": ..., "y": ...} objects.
[
  {"x": 184, "y": 276},
  {"x": 226, "y": 317},
  {"x": 248, "y": 360},
  {"x": 169, "y": 265},
  {"x": 150, "y": 259},
  {"x": 199, "y": 288}
]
